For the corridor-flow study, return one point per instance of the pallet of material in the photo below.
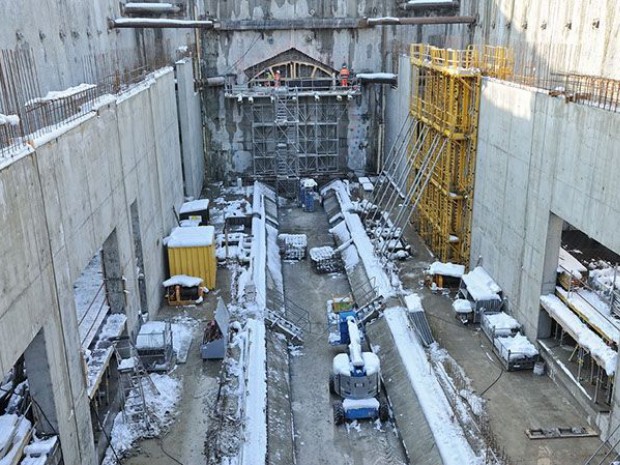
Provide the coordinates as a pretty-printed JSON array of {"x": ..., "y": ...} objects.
[
  {"x": 571, "y": 272},
  {"x": 293, "y": 246},
  {"x": 445, "y": 275},
  {"x": 326, "y": 260},
  {"x": 511, "y": 347}
]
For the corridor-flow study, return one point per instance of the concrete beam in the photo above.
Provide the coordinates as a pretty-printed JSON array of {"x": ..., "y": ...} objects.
[
  {"x": 418, "y": 21},
  {"x": 337, "y": 23},
  {"x": 286, "y": 25},
  {"x": 413, "y": 427},
  {"x": 158, "y": 23}
]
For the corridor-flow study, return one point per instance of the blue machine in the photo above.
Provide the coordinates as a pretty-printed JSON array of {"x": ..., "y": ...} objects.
[
  {"x": 338, "y": 311},
  {"x": 308, "y": 196},
  {"x": 356, "y": 378},
  {"x": 339, "y": 328}
]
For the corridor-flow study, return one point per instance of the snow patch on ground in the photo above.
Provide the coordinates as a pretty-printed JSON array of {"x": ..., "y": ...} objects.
[
  {"x": 162, "y": 409},
  {"x": 354, "y": 425},
  {"x": 450, "y": 439},
  {"x": 295, "y": 351},
  {"x": 183, "y": 328},
  {"x": 254, "y": 446},
  {"x": 274, "y": 265}
]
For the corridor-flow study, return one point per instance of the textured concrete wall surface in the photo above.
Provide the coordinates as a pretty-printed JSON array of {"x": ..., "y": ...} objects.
[
  {"x": 59, "y": 205},
  {"x": 234, "y": 52},
  {"x": 568, "y": 35},
  {"x": 190, "y": 125},
  {"x": 229, "y": 128},
  {"x": 397, "y": 106},
  {"x": 538, "y": 157},
  {"x": 63, "y": 34}
]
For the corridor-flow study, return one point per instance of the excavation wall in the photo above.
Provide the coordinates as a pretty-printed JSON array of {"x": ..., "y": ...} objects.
[
  {"x": 539, "y": 159},
  {"x": 72, "y": 42},
  {"x": 59, "y": 203}
]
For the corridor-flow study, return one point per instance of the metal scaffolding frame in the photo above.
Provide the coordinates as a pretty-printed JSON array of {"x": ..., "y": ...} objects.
[
  {"x": 296, "y": 131},
  {"x": 445, "y": 98}
]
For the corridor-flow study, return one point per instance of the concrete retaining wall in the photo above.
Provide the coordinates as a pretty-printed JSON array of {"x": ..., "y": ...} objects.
[
  {"x": 540, "y": 158},
  {"x": 565, "y": 35},
  {"x": 63, "y": 35},
  {"x": 540, "y": 161},
  {"x": 58, "y": 205},
  {"x": 190, "y": 125}
]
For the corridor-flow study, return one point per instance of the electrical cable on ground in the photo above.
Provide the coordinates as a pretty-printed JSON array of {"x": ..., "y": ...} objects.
[
  {"x": 160, "y": 441},
  {"x": 437, "y": 317},
  {"x": 108, "y": 438},
  {"x": 44, "y": 416},
  {"x": 493, "y": 383}
]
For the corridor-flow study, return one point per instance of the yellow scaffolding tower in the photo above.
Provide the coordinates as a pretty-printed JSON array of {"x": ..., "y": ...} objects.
[{"x": 445, "y": 98}]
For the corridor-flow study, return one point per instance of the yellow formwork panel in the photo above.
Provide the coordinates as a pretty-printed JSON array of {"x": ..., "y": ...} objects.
[
  {"x": 445, "y": 96},
  {"x": 194, "y": 261}
]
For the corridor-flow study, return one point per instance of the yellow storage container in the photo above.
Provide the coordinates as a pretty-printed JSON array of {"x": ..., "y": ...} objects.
[{"x": 191, "y": 251}]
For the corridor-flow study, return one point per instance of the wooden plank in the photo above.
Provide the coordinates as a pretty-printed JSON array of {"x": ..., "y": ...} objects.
[
  {"x": 19, "y": 453},
  {"x": 98, "y": 369}
]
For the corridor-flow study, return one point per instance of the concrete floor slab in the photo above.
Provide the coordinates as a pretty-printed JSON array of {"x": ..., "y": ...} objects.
[
  {"x": 414, "y": 430},
  {"x": 317, "y": 440},
  {"x": 515, "y": 401}
]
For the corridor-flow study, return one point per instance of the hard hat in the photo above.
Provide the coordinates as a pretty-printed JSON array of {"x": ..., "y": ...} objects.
[
  {"x": 277, "y": 71},
  {"x": 344, "y": 65}
]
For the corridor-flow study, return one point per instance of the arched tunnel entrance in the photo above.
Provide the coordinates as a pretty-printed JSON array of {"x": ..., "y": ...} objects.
[{"x": 302, "y": 121}]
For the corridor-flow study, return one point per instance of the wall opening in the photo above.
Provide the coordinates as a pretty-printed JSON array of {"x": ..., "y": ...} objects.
[
  {"x": 28, "y": 408},
  {"x": 579, "y": 329},
  {"x": 99, "y": 326}
]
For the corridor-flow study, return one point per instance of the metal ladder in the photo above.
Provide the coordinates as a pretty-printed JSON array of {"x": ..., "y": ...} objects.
[
  {"x": 286, "y": 128},
  {"x": 292, "y": 332},
  {"x": 297, "y": 318},
  {"x": 131, "y": 386}
]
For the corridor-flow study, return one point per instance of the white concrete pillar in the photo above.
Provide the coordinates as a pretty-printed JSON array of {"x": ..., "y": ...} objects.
[
  {"x": 552, "y": 253},
  {"x": 550, "y": 273}
]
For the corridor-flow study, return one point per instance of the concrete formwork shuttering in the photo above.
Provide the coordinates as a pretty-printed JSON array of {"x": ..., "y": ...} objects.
[
  {"x": 445, "y": 98},
  {"x": 295, "y": 133}
]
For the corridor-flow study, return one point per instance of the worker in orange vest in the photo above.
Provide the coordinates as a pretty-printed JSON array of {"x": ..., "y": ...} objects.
[
  {"x": 344, "y": 75},
  {"x": 276, "y": 78}
]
